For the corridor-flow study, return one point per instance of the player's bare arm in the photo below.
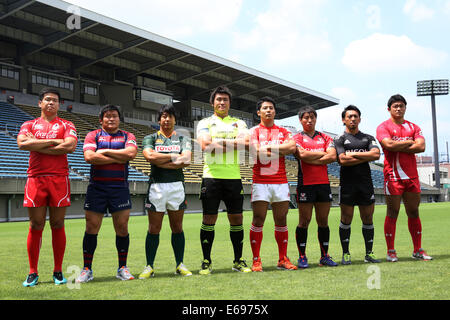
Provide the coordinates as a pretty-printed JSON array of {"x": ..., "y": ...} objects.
[
  {"x": 68, "y": 146},
  {"x": 97, "y": 158},
  {"x": 417, "y": 147},
  {"x": 396, "y": 146},
  {"x": 181, "y": 161},
  {"x": 121, "y": 155},
  {"x": 286, "y": 148},
  {"x": 28, "y": 142},
  {"x": 371, "y": 155},
  {"x": 328, "y": 157}
]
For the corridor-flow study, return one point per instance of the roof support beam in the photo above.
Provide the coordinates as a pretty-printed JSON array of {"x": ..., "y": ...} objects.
[
  {"x": 58, "y": 36},
  {"x": 14, "y": 7}
]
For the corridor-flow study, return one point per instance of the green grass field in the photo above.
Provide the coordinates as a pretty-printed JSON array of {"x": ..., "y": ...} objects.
[{"x": 406, "y": 279}]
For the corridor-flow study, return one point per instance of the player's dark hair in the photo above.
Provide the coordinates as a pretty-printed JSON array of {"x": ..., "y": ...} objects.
[
  {"x": 168, "y": 108},
  {"x": 109, "y": 107},
  {"x": 396, "y": 98},
  {"x": 352, "y": 108},
  {"x": 306, "y": 109},
  {"x": 222, "y": 90},
  {"x": 265, "y": 99},
  {"x": 45, "y": 91}
]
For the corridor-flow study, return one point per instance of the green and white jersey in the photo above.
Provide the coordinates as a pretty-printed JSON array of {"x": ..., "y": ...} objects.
[
  {"x": 223, "y": 165},
  {"x": 174, "y": 144}
]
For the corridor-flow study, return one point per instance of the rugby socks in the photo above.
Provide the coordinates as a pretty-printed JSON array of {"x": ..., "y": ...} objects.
[
  {"x": 344, "y": 235},
  {"x": 34, "y": 241},
  {"x": 178, "y": 242},
  {"x": 389, "y": 231},
  {"x": 151, "y": 246},
  {"x": 323, "y": 233},
  {"x": 89, "y": 246},
  {"x": 256, "y": 236},
  {"x": 206, "y": 240},
  {"x": 59, "y": 247},
  {"x": 237, "y": 239},
  {"x": 368, "y": 233},
  {"x": 301, "y": 236},
  {"x": 122, "y": 244},
  {"x": 281, "y": 236},
  {"x": 415, "y": 229}
]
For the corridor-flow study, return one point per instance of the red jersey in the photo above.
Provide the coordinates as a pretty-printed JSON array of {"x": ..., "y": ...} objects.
[
  {"x": 270, "y": 171},
  {"x": 399, "y": 165},
  {"x": 44, "y": 164},
  {"x": 309, "y": 174}
]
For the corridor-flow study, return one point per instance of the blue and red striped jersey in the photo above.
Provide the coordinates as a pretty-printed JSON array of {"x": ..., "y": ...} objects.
[{"x": 115, "y": 174}]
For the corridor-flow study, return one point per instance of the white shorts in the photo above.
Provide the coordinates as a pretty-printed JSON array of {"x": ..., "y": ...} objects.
[
  {"x": 270, "y": 192},
  {"x": 166, "y": 196}
]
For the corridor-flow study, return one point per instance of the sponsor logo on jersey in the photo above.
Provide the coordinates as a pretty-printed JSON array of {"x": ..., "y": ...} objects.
[{"x": 167, "y": 148}]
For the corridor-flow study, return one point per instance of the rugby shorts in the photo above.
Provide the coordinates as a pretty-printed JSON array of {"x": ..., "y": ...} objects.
[
  {"x": 51, "y": 191},
  {"x": 314, "y": 193},
  {"x": 165, "y": 196},
  {"x": 358, "y": 194},
  {"x": 270, "y": 192},
  {"x": 398, "y": 187},
  {"x": 230, "y": 191},
  {"x": 104, "y": 199}
]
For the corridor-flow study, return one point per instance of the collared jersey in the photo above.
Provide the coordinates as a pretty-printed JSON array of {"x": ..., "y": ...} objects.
[
  {"x": 309, "y": 174},
  {"x": 174, "y": 144},
  {"x": 269, "y": 171},
  {"x": 399, "y": 165},
  {"x": 360, "y": 142},
  {"x": 221, "y": 165},
  {"x": 115, "y": 174},
  {"x": 43, "y": 164}
]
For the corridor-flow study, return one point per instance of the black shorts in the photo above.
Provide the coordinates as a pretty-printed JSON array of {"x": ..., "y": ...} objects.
[
  {"x": 229, "y": 191},
  {"x": 102, "y": 199},
  {"x": 358, "y": 194},
  {"x": 314, "y": 193}
]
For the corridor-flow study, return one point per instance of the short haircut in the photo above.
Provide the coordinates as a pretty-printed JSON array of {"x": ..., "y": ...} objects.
[
  {"x": 109, "y": 107},
  {"x": 396, "y": 98},
  {"x": 351, "y": 107},
  {"x": 265, "y": 99},
  {"x": 45, "y": 91},
  {"x": 168, "y": 108},
  {"x": 306, "y": 109},
  {"x": 222, "y": 90}
]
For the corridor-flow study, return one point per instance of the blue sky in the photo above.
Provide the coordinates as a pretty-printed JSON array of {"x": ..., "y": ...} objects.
[{"x": 360, "y": 52}]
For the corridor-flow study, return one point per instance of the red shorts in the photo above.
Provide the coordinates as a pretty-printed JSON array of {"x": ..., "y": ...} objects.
[
  {"x": 47, "y": 191},
  {"x": 397, "y": 188}
]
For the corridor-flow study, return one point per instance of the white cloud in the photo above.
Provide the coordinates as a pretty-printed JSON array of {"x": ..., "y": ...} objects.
[
  {"x": 288, "y": 32},
  {"x": 384, "y": 52},
  {"x": 174, "y": 18},
  {"x": 417, "y": 11}
]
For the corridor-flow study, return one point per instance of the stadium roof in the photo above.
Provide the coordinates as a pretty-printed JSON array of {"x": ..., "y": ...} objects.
[{"x": 41, "y": 26}]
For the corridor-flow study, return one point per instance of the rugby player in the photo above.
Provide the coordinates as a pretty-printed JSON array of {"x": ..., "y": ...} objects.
[
  {"x": 49, "y": 139},
  {"x": 355, "y": 150},
  {"x": 168, "y": 153},
  {"x": 108, "y": 150},
  {"x": 269, "y": 144},
  {"x": 220, "y": 137},
  {"x": 314, "y": 151},
  {"x": 401, "y": 140}
]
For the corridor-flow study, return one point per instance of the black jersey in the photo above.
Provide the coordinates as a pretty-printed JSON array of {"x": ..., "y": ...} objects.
[{"x": 359, "y": 142}]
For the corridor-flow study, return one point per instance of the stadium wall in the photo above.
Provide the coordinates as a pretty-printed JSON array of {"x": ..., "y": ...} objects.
[{"x": 11, "y": 198}]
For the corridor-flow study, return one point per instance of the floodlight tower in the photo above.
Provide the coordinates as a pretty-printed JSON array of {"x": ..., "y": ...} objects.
[{"x": 433, "y": 88}]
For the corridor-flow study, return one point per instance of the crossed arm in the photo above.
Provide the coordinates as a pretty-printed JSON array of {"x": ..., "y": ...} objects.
[
  {"x": 354, "y": 158},
  {"x": 29, "y": 142},
  {"x": 316, "y": 157},
  {"x": 168, "y": 160},
  {"x": 407, "y": 146},
  {"x": 109, "y": 156}
]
